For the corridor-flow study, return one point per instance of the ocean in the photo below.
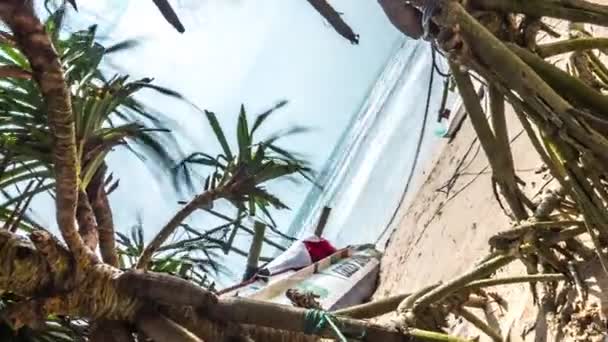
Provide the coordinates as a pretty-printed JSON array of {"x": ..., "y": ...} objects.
[{"x": 364, "y": 180}]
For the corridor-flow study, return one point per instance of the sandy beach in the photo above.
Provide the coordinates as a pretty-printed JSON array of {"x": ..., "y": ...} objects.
[{"x": 445, "y": 228}]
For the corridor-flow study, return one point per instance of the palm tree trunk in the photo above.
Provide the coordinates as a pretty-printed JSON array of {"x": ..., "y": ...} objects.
[{"x": 32, "y": 40}]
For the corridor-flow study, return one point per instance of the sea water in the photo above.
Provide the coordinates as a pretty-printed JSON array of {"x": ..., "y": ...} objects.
[{"x": 364, "y": 180}]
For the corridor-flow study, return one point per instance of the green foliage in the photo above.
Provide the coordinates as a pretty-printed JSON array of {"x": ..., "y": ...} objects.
[
  {"x": 193, "y": 257},
  {"x": 55, "y": 329},
  {"x": 257, "y": 163},
  {"x": 164, "y": 7},
  {"x": 106, "y": 113}
]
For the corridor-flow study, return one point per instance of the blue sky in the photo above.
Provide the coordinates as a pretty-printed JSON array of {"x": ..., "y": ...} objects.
[{"x": 254, "y": 52}]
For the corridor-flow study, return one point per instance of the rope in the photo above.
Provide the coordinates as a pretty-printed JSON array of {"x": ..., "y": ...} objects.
[
  {"x": 418, "y": 148},
  {"x": 429, "y": 8},
  {"x": 316, "y": 320}
]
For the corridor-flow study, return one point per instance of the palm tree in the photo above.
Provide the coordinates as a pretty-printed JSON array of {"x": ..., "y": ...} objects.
[
  {"x": 164, "y": 7},
  {"x": 193, "y": 257},
  {"x": 50, "y": 279},
  {"x": 263, "y": 161},
  {"x": 106, "y": 116},
  {"x": 57, "y": 128}
]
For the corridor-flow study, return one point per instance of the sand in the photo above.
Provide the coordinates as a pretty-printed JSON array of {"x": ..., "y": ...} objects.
[{"x": 442, "y": 233}]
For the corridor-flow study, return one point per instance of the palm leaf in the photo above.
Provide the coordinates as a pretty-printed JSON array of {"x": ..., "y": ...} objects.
[
  {"x": 169, "y": 14},
  {"x": 219, "y": 133},
  {"x": 243, "y": 137},
  {"x": 262, "y": 117}
]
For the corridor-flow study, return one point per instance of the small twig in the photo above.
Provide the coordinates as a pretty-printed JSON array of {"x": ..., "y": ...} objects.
[
  {"x": 581, "y": 289},
  {"x": 481, "y": 325}
]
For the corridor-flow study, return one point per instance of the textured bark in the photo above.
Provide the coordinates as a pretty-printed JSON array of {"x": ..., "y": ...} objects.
[
  {"x": 44, "y": 268},
  {"x": 270, "y": 315},
  {"x": 164, "y": 289},
  {"x": 162, "y": 329},
  {"x": 110, "y": 331},
  {"x": 103, "y": 214},
  {"x": 87, "y": 225},
  {"x": 32, "y": 40}
]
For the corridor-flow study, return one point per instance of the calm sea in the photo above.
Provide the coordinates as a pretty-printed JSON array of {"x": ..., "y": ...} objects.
[{"x": 364, "y": 179}]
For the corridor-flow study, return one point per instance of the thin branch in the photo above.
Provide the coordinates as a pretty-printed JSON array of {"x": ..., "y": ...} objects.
[
  {"x": 271, "y": 315},
  {"x": 570, "y": 45},
  {"x": 103, "y": 214},
  {"x": 162, "y": 329},
  {"x": 87, "y": 224},
  {"x": 335, "y": 20},
  {"x": 200, "y": 201},
  {"x": 576, "y": 11},
  {"x": 494, "y": 151}
]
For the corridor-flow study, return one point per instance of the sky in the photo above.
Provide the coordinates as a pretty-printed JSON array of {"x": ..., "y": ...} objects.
[{"x": 252, "y": 52}]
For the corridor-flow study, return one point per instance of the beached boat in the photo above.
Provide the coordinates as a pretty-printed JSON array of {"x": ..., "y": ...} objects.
[{"x": 346, "y": 277}]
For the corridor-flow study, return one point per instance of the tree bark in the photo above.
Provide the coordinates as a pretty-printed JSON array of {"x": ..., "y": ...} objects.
[
  {"x": 162, "y": 329},
  {"x": 255, "y": 250},
  {"x": 114, "y": 331},
  {"x": 87, "y": 225},
  {"x": 103, "y": 214},
  {"x": 35, "y": 44}
]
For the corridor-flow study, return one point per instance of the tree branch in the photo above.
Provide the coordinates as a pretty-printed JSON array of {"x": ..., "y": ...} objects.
[
  {"x": 162, "y": 329},
  {"x": 115, "y": 331},
  {"x": 576, "y": 11},
  {"x": 498, "y": 157},
  {"x": 86, "y": 221},
  {"x": 35, "y": 44},
  {"x": 335, "y": 20},
  {"x": 569, "y": 45},
  {"x": 103, "y": 214},
  {"x": 200, "y": 201}
]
